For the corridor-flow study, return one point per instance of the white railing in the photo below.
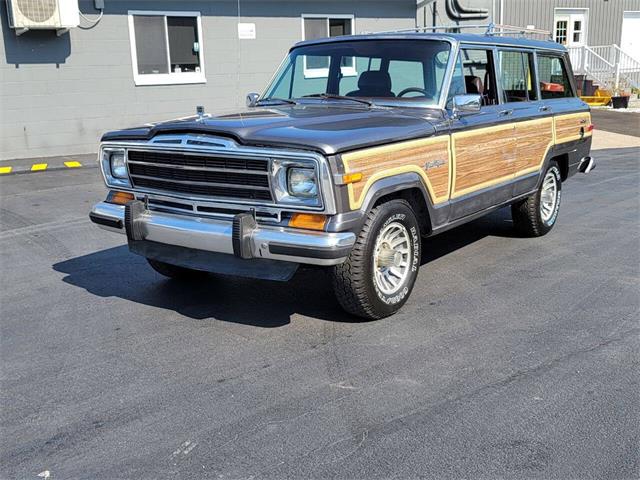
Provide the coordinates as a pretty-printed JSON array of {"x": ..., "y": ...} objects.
[{"x": 609, "y": 65}]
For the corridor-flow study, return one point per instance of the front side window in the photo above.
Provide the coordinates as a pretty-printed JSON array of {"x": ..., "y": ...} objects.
[
  {"x": 166, "y": 48},
  {"x": 321, "y": 26},
  {"x": 553, "y": 78},
  {"x": 410, "y": 71},
  {"x": 474, "y": 74}
]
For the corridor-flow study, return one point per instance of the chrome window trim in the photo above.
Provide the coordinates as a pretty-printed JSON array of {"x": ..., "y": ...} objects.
[{"x": 226, "y": 148}]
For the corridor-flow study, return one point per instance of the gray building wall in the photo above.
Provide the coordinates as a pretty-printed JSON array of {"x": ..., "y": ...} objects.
[
  {"x": 604, "y": 23},
  {"x": 59, "y": 94},
  {"x": 605, "y": 17}
]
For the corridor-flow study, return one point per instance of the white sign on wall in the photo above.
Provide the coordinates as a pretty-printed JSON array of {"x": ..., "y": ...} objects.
[{"x": 247, "y": 31}]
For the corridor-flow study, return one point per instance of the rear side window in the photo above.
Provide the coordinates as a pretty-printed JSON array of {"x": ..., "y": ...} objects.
[
  {"x": 513, "y": 76},
  {"x": 553, "y": 78}
]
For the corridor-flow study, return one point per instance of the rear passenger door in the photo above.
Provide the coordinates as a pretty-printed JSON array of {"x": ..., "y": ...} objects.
[
  {"x": 571, "y": 115},
  {"x": 533, "y": 124},
  {"x": 482, "y": 144}
]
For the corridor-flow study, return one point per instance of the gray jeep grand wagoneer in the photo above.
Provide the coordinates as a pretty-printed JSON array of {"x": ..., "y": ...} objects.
[{"x": 359, "y": 148}]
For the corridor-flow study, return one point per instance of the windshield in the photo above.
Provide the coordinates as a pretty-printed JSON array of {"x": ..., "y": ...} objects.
[{"x": 381, "y": 71}]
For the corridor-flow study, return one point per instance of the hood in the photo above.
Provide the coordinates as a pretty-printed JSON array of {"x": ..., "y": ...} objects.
[{"x": 324, "y": 127}]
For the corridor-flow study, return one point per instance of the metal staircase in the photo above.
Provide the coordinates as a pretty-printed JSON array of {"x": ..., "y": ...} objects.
[{"x": 608, "y": 65}]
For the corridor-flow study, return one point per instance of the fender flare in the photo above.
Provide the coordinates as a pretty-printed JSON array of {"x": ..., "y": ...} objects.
[{"x": 354, "y": 220}]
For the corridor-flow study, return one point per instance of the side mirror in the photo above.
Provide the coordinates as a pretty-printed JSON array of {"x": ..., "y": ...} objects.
[
  {"x": 466, "y": 104},
  {"x": 252, "y": 99}
]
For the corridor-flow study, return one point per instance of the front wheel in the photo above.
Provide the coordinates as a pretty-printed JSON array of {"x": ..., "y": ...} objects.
[
  {"x": 379, "y": 274},
  {"x": 537, "y": 214}
]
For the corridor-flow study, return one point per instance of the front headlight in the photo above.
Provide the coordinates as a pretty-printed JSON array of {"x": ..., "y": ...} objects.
[
  {"x": 117, "y": 165},
  {"x": 114, "y": 166},
  {"x": 296, "y": 182},
  {"x": 302, "y": 182}
]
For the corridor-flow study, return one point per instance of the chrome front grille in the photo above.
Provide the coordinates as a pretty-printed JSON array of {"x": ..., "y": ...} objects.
[{"x": 232, "y": 177}]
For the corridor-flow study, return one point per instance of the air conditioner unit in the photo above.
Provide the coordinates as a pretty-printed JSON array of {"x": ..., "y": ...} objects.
[{"x": 57, "y": 15}]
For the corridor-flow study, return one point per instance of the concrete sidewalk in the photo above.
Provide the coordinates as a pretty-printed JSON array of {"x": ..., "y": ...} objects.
[
  {"x": 602, "y": 140},
  {"x": 29, "y": 165}
]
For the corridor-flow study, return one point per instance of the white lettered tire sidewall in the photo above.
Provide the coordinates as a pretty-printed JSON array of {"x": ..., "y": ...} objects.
[
  {"x": 400, "y": 295},
  {"x": 354, "y": 280},
  {"x": 401, "y": 212}
]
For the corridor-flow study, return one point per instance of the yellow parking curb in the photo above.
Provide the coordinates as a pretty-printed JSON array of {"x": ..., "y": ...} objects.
[
  {"x": 73, "y": 164},
  {"x": 36, "y": 167},
  {"x": 4, "y": 170}
]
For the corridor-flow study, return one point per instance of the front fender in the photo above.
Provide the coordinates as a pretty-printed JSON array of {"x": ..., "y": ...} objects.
[{"x": 354, "y": 220}]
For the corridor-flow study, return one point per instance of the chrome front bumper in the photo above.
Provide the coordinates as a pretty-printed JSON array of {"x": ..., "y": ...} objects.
[{"x": 216, "y": 235}]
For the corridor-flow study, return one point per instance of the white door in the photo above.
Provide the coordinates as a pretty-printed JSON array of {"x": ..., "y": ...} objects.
[
  {"x": 570, "y": 27},
  {"x": 630, "y": 40},
  {"x": 570, "y": 30}
]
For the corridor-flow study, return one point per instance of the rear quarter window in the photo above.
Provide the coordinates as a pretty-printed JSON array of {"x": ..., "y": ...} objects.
[{"x": 553, "y": 77}]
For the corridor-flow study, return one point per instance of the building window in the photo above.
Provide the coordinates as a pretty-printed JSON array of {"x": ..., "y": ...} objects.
[
  {"x": 577, "y": 31},
  {"x": 323, "y": 26},
  {"x": 166, "y": 47},
  {"x": 561, "y": 32}
]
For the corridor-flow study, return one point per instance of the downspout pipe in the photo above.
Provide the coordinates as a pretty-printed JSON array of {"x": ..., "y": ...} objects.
[{"x": 455, "y": 11}]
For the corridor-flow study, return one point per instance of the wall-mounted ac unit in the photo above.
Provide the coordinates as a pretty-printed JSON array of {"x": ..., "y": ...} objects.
[{"x": 57, "y": 15}]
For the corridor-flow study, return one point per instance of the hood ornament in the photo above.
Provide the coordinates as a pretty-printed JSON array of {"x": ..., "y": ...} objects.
[{"x": 200, "y": 113}]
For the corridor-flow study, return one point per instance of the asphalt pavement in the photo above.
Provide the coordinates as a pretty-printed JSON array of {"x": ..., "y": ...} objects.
[
  {"x": 514, "y": 357},
  {"x": 618, "y": 121}
]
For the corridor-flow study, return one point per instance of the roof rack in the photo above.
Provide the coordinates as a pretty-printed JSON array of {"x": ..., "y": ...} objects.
[{"x": 489, "y": 29}]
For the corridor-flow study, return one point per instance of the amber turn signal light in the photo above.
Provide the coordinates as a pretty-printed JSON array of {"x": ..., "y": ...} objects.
[
  {"x": 120, "y": 198},
  {"x": 311, "y": 221},
  {"x": 352, "y": 177}
]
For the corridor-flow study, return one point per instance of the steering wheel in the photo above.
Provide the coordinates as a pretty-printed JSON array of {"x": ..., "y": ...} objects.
[{"x": 414, "y": 90}]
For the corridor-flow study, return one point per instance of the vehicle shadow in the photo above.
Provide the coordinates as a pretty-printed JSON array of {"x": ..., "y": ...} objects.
[{"x": 115, "y": 272}]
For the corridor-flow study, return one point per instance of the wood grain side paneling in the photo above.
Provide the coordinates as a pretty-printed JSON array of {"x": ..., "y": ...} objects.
[
  {"x": 533, "y": 140},
  {"x": 482, "y": 157},
  {"x": 412, "y": 156},
  {"x": 568, "y": 126}
]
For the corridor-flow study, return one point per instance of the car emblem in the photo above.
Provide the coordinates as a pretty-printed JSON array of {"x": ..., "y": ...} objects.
[{"x": 434, "y": 164}]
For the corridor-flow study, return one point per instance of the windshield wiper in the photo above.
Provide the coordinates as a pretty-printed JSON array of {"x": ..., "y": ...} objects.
[
  {"x": 276, "y": 99},
  {"x": 333, "y": 96}
]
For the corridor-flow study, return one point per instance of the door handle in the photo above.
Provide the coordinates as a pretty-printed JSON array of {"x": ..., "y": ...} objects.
[
  {"x": 506, "y": 112},
  {"x": 544, "y": 108}
]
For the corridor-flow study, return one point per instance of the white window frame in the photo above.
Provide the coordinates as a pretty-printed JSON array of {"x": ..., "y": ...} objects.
[
  {"x": 171, "y": 78},
  {"x": 324, "y": 72}
]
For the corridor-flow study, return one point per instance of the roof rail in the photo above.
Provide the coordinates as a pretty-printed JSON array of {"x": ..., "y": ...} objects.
[{"x": 489, "y": 29}]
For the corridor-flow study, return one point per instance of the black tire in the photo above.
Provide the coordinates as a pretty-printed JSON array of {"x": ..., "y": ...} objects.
[
  {"x": 527, "y": 215},
  {"x": 353, "y": 281},
  {"x": 174, "y": 271}
]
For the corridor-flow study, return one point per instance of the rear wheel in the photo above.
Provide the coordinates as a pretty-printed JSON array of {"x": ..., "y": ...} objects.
[
  {"x": 537, "y": 214},
  {"x": 379, "y": 274},
  {"x": 174, "y": 271}
]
